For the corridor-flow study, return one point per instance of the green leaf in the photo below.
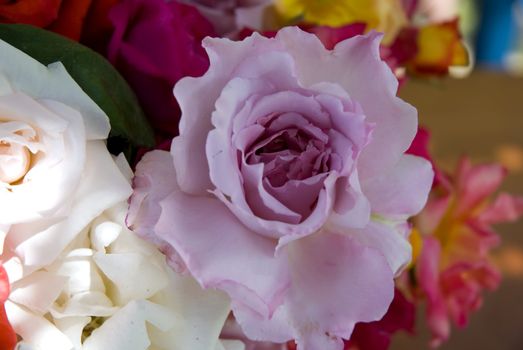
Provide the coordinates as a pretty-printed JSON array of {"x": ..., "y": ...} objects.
[{"x": 95, "y": 75}]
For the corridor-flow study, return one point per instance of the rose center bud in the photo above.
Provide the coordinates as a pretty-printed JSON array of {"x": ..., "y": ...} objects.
[
  {"x": 297, "y": 157},
  {"x": 18, "y": 141},
  {"x": 14, "y": 162},
  {"x": 290, "y": 154}
]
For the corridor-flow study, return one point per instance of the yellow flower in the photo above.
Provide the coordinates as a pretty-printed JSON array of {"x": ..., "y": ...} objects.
[
  {"x": 382, "y": 15},
  {"x": 439, "y": 47}
]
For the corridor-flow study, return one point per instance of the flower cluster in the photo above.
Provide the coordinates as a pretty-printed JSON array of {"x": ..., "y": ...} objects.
[{"x": 281, "y": 194}]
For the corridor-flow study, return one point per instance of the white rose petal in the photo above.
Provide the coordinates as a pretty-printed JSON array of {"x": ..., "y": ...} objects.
[
  {"x": 105, "y": 234},
  {"x": 37, "y": 291},
  {"x": 85, "y": 304},
  {"x": 99, "y": 189},
  {"x": 27, "y": 75},
  {"x": 133, "y": 275},
  {"x": 230, "y": 345},
  {"x": 36, "y": 330},
  {"x": 127, "y": 328},
  {"x": 72, "y": 327}
]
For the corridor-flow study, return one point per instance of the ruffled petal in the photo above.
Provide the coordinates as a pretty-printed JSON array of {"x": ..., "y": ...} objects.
[
  {"x": 476, "y": 183},
  {"x": 505, "y": 208},
  {"x": 428, "y": 277}
]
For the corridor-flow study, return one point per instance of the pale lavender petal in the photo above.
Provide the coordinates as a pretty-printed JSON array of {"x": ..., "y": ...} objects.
[
  {"x": 290, "y": 101},
  {"x": 299, "y": 196},
  {"x": 263, "y": 204},
  {"x": 229, "y": 257},
  {"x": 336, "y": 282},
  {"x": 153, "y": 182},
  {"x": 402, "y": 191},
  {"x": 351, "y": 208},
  {"x": 389, "y": 240},
  {"x": 277, "y": 329}
]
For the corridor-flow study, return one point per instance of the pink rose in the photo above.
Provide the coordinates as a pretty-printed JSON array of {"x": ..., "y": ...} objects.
[
  {"x": 155, "y": 44},
  {"x": 288, "y": 187}
]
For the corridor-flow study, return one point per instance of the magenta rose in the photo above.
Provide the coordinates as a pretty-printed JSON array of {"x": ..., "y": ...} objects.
[
  {"x": 288, "y": 187},
  {"x": 155, "y": 44}
]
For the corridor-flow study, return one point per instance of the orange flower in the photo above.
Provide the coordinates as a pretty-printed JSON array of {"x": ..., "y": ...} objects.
[
  {"x": 439, "y": 47},
  {"x": 67, "y": 17},
  {"x": 71, "y": 18},
  {"x": 39, "y": 13}
]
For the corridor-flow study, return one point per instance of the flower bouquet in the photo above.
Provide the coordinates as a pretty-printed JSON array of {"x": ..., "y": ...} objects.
[{"x": 226, "y": 175}]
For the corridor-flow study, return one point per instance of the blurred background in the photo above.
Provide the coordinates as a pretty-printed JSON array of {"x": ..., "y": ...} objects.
[{"x": 481, "y": 115}]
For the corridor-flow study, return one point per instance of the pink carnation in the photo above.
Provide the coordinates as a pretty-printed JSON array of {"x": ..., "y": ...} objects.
[
  {"x": 288, "y": 187},
  {"x": 454, "y": 266}
]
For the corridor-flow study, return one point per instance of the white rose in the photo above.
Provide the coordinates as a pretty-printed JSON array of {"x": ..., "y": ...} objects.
[
  {"x": 56, "y": 174},
  {"x": 109, "y": 289}
]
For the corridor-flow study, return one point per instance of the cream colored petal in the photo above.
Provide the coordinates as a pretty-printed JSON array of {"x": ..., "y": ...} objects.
[
  {"x": 133, "y": 275},
  {"x": 104, "y": 234},
  {"x": 230, "y": 345},
  {"x": 127, "y": 330},
  {"x": 14, "y": 268},
  {"x": 37, "y": 291},
  {"x": 72, "y": 328},
  {"x": 36, "y": 330},
  {"x": 123, "y": 165},
  {"x": 85, "y": 304},
  {"x": 81, "y": 272},
  {"x": 202, "y": 314}
]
